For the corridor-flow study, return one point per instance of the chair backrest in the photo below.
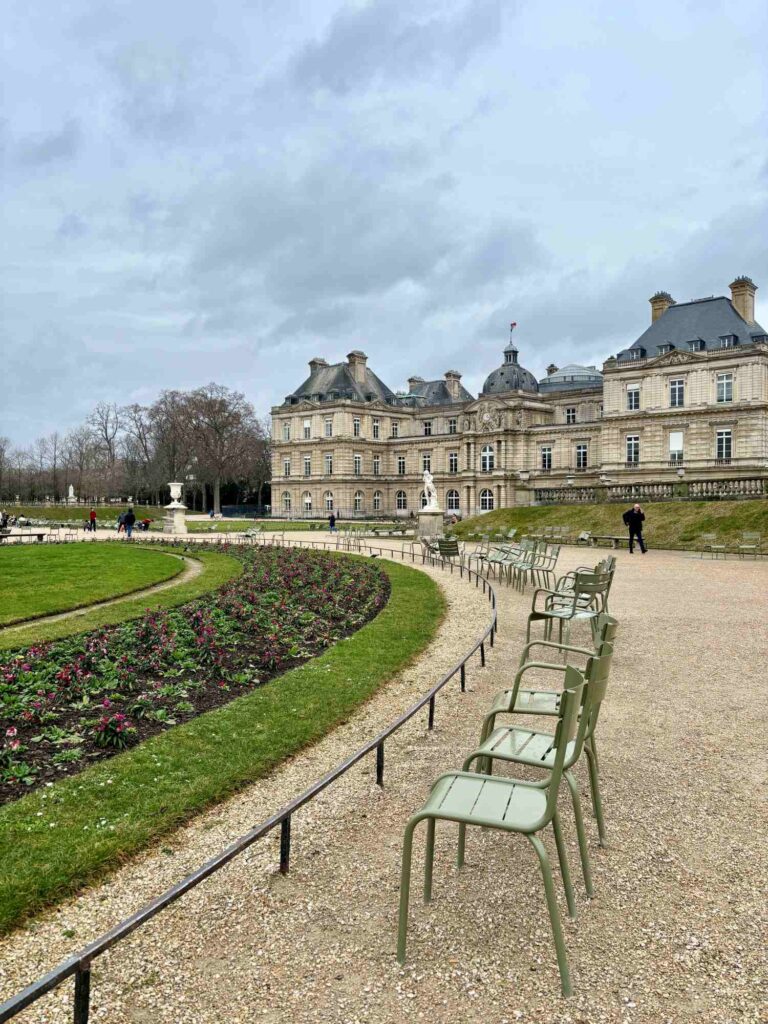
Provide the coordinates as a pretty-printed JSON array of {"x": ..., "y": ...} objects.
[
  {"x": 607, "y": 628},
  {"x": 568, "y": 716},
  {"x": 596, "y": 675},
  {"x": 750, "y": 538},
  {"x": 709, "y": 538},
  {"x": 511, "y": 533},
  {"x": 448, "y": 548}
]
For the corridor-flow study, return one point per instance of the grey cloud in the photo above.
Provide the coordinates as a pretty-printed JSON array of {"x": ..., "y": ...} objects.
[
  {"x": 50, "y": 147},
  {"x": 154, "y": 82},
  {"x": 386, "y": 40},
  {"x": 72, "y": 226}
]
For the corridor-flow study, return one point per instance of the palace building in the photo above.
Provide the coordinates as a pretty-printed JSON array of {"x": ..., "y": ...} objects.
[{"x": 683, "y": 411}]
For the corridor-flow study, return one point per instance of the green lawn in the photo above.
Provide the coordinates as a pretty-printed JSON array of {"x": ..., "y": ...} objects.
[
  {"x": 107, "y": 515},
  {"x": 217, "y": 569},
  {"x": 54, "y": 840},
  {"x": 39, "y": 580},
  {"x": 668, "y": 524}
]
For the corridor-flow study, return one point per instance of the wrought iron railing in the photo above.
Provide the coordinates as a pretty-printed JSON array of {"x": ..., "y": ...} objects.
[{"x": 79, "y": 964}]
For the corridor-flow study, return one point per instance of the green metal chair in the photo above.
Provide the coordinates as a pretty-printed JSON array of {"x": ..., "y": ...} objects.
[
  {"x": 509, "y": 805},
  {"x": 749, "y": 544},
  {"x": 712, "y": 546},
  {"x": 451, "y": 551},
  {"x": 584, "y": 603},
  {"x": 532, "y": 747}
]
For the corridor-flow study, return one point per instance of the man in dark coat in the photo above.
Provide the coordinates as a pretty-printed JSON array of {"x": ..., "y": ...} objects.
[
  {"x": 634, "y": 518},
  {"x": 129, "y": 520}
]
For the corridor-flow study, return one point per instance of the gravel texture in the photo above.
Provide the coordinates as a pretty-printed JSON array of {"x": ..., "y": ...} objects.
[{"x": 675, "y": 933}]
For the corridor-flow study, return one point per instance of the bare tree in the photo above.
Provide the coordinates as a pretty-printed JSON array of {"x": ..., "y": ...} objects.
[
  {"x": 224, "y": 424},
  {"x": 104, "y": 422}
]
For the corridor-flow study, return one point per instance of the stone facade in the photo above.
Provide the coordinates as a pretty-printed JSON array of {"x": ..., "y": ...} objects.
[{"x": 671, "y": 415}]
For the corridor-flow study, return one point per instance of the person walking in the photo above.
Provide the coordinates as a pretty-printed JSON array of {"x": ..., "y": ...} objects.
[
  {"x": 121, "y": 523},
  {"x": 332, "y": 523},
  {"x": 634, "y": 518},
  {"x": 92, "y": 520},
  {"x": 128, "y": 521}
]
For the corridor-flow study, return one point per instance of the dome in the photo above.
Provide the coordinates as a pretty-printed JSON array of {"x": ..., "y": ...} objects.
[
  {"x": 571, "y": 377},
  {"x": 510, "y": 376}
]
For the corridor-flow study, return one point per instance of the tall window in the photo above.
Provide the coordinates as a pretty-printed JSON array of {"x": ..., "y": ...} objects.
[
  {"x": 675, "y": 446},
  {"x": 452, "y": 501},
  {"x": 377, "y": 496},
  {"x": 725, "y": 387},
  {"x": 286, "y": 501},
  {"x": 328, "y": 465},
  {"x": 724, "y": 444},
  {"x": 286, "y": 430},
  {"x": 581, "y": 456},
  {"x": 546, "y": 457},
  {"x": 358, "y": 464},
  {"x": 376, "y": 465},
  {"x": 401, "y": 500},
  {"x": 401, "y": 465},
  {"x": 307, "y": 428},
  {"x": 427, "y": 424},
  {"x": 286, "y": 467},
  {"x": 395, "y": 428},
  {"x": 570, "y": 414},
  {"x": 306, "y": 500},
  {"x": 633, "y": 397},
  {"x": 328, "y": 501},
  {"x": 452, "y": 425},
  {"x": 453, "y": 462},
  {"x": 486, "y": 500},
  {"x": 376, "y": 430},
  {"x": 329, "y": 426},
  {"x": 728, "y": 341},
  {"x": 356, "y": 427},
  {"x": 426, "y": 462},
  {"x": 423, "y": 499},
  {"x": 677, "y": 392},
  {"x": 307, "y": 465},
  {"x": 486, "y": 458},
  {"x": 357, "y": 501},
  {"x": 633, "y": 449}
]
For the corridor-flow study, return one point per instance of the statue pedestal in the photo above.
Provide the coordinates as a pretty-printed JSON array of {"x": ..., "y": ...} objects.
[
  {"x": 175, "y": 519},
  {"x": 429, "y": 523}
]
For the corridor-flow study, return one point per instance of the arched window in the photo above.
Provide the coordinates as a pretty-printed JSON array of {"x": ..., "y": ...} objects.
[
  {"x": 358, "y": 501},
  {"x": 452, "y": 501},
  {"x": 286, "y": 501},
  {"x": 423, "y": 499},
  {"x": 328, "y": 501},
  {"x": 486, "y": 458},
  {"x": 401, "y": 500},
  {"x": 377, "y": 496},
  {"x": 306, "y": 500},
  {"x": 486, "y": 500}
]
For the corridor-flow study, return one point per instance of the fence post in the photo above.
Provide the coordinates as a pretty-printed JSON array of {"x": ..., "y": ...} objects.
[
  {"x": 431, "y": 724},
  {"x": 82, "y": 994},
  {"x": 380, "y": 764},
  {"x": 463, "y": 677},
  {"x": 482, "y": 655},
  {"x": 285, "y": 845}
]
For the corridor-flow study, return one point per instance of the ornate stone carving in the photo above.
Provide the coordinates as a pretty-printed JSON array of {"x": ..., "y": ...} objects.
[
  {"x": 489, "y": 418},
  {"x": 673, "y": 358}
]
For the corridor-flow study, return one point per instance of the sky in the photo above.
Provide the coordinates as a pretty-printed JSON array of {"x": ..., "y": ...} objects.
[{"x": 223, "y": 190}]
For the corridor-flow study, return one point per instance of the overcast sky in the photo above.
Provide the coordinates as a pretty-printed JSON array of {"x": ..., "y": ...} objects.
[{"x": 198, "y": 191}]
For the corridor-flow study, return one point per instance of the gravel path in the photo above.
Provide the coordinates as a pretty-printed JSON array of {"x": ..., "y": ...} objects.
[
  {"x": 192, "y": 569},
  {"x": 673, "y": 935}
]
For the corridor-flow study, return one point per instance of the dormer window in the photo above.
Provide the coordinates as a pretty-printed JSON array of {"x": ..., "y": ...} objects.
[
  {"x": 697, "y": 345},
  {"x": 663, "y": 349},
  {"x": 728, "y": 341},
  {"x": 637, "y": 353}
]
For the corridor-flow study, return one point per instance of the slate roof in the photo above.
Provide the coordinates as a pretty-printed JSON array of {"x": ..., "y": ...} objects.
[
  {"x": 703, "y": 319},
  {"x": 331, "y": 382},
  {"x": 571, "y": 377},
  {"x": 435, "y": 392},
  {"x": 510, "y": 376}
]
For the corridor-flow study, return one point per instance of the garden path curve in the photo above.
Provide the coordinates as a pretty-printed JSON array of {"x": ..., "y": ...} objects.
[{"x": 192, "y": 569}]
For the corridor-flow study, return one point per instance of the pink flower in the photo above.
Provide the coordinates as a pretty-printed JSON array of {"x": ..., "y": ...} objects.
[
  {"x": 11, "y": 732},
  {"x": 106, "y": 703}
]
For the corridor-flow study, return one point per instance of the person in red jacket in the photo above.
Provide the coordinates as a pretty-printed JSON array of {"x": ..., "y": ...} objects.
[{"x": 92, "y": 520}]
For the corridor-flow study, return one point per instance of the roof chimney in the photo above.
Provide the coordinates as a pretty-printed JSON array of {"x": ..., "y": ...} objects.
[
  {"x": 551, "y": 369},
  {"x": 357, "y": 361},
  {"x": 453, "y": 383},
  {"x": 413, "y": 383},
  {"x": 316, "y": 363},
  {"x": 743, "y": 297},
  {"x": 660, "y": 303}
]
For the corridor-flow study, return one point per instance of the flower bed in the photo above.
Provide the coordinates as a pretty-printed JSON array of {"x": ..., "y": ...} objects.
[{"x": 71, "y": 702}]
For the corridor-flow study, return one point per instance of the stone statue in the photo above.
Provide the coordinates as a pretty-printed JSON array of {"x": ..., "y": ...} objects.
[
  {"x": 71, "y": 499},
  {"x": 430, "y": 491}
]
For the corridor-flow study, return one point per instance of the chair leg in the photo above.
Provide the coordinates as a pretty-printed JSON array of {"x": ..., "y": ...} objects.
[
  {"x": 554, "y": 917},
  {"x": 462, "y": 845},
  {"x": 597, "y": 803},
  {"x": 593, "y": 747},
  {"x": 405, "y": 889},
  {"x": 429, "y": 859},
  {"x": 580, "y": 832},
  {"x": 562, "y": 856}
]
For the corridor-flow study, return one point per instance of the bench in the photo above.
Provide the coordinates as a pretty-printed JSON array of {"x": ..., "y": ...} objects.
[
  {"x": 614, "y": 541},
  {"x": 7, "y": 535}
]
